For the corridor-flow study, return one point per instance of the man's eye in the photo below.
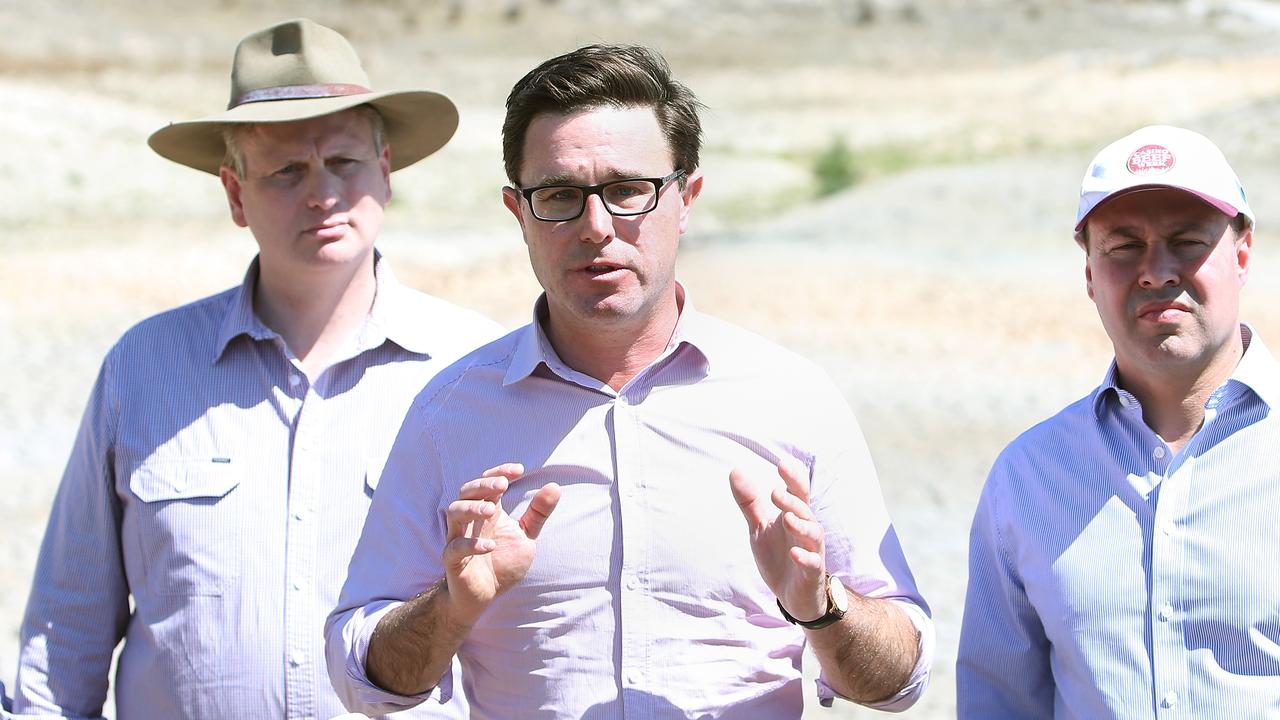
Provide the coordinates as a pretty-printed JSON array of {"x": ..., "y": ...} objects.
[
  {"x": 558, "y": 194},
  {"x": 288, "y": 170}
]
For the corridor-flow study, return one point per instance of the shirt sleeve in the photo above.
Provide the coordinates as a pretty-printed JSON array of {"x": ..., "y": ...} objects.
[
  {"x": 79, "y": 604},
  {"x": 398, "y": 556},
  {"x": 1002, "y": 668},
  {"x": 863, "y": 549}
]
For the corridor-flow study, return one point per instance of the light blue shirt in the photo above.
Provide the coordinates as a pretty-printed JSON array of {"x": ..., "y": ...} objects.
[
  {"x": 643, "y": 600},
  {"x": 1112, "y": 578},
  {"x": 221, "y": 491}
]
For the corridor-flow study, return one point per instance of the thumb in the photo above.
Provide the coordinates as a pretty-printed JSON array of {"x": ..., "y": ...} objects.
[{"x": 745, "y": 493}]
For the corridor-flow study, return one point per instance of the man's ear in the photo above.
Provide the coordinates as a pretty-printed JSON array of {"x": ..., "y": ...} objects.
[
  {"x": 1244, "y": 255},
  {"x": 689, "y": 195},
  {"x": 511, "y": 198},
  {"x": 232, "y": 185},
  {"x": 384, "y": 163}
]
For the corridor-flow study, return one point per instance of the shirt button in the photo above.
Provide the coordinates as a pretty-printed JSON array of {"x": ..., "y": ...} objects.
[
  {"x": 294, "y": 379},
  {"x": 1165, "y": 613},
  {"x": 1167, "y": 528},
  {"x": 295, "y": 660},
  {"x": 633, "y": 677},
  {"x": 1124, "y": 401},
  {"x": 632, "y": 583},
  {"x": 1169, "y": 700},
  {"x": 297, "y": 585},
  {"x": 1158, "y": 452}
]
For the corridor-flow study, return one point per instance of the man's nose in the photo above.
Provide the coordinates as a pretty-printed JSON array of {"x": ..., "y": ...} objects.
[
  {"x": 322, "y": 189},
  {"x": 597, "y": 223},
  {"x": 1160, "y": 268}
]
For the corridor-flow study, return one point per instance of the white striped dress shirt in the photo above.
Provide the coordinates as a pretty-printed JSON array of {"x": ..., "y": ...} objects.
[
  {"x": 643, "y": 600},
  {"x": 1112, "y": 578},
  {"x": 222, "y": 491}
]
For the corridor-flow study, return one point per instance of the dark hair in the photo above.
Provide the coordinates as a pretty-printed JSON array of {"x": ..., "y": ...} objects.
[{"x": 621, "y": 76}]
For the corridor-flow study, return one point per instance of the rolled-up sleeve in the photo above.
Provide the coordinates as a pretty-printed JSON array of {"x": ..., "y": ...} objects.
[
  {"x": 862, "y": 547},
  {"x": 79, "y": 604}
]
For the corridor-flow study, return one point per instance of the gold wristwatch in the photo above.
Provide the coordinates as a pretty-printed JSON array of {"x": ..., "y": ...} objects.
[{"x": 837, "y": 604}]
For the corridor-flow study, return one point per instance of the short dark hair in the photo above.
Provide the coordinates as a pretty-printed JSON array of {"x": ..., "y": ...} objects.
[{"x": 621, "y": 76}]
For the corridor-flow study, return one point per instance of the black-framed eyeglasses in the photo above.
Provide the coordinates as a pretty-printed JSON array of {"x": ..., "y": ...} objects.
[{"x": 633, "y": 196}]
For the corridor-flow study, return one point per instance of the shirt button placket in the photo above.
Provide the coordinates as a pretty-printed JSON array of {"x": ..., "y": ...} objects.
[
  {"x": 634, "y": 629},
  {"x": 300, "y": 558}
]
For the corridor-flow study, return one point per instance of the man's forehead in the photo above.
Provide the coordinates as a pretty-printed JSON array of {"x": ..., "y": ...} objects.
[
  {"x": 339, "y": 128},
  {"x": 1156, "y": 207},
  {"x": 599, "y": 143}
]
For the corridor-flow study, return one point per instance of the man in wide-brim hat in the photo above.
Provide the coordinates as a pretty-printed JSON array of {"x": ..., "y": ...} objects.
[{"x": 230, "y": 447}]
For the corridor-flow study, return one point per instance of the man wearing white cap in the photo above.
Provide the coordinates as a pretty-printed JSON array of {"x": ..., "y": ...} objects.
[
  {"x": 1122, "y": 555},
  {"x": 231, "y": 447}
]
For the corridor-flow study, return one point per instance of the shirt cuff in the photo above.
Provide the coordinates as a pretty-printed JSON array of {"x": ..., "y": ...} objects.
[
  {"x": 371, "y": 699},
  {"x": 911, "y": 692}
]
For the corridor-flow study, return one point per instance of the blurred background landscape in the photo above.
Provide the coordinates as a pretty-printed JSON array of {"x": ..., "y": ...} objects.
[{"x": 890, "y": 191}]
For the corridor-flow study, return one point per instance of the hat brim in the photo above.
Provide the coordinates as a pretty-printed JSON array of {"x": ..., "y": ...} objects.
[
  {"x": 418, "y": 123},
  {"x": 1221, "y": 206}
]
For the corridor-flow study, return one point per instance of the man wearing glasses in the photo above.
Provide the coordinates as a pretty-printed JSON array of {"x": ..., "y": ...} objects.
[{"x": 564, "y": 507}]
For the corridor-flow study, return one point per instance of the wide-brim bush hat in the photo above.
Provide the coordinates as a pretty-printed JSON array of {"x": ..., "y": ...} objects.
[{"x": 298, "y": 70}]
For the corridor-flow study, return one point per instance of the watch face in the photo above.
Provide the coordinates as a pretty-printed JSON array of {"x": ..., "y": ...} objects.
[{"x": 836, "y": 591}]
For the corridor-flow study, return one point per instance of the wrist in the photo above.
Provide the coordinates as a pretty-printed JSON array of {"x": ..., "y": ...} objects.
[
  {"x": 462, "y": 615},
  {"x": 834, "y": 606}
]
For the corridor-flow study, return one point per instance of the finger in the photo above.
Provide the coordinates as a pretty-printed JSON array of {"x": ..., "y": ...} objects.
[
  {"x": 461, "y": 515},
  {"x": 464, "y": 547},
  {"x": 796, "y": 477},
  {"x": 485, "y": 488},
  {"x": 746, "y": 493},
  {"x": 510, "y": 471},
  {"x": 811, "y": 563},
  {"x": 807, "y": 534},
  {"x": 460, "y": 551},
  {"x": 787, "y": 502},
  {"x": 540, "y": 507}
]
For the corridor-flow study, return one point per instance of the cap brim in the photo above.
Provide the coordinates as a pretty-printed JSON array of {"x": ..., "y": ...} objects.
[
  {"x": 1221, "y": 206},
  {"x": 418, "y": 123}
]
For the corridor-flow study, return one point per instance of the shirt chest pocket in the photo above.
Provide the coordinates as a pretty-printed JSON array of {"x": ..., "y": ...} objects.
[{"x": 188, "y": 524}]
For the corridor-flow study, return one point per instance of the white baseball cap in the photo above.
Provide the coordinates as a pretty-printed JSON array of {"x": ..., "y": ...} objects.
[{"x": 1162, "y": 156}]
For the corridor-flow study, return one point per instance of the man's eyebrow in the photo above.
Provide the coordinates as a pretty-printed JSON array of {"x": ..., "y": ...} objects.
[{"x": 569, "y": 179}]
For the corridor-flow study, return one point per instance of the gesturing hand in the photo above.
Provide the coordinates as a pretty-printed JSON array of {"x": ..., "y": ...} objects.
[
  {"x": 786, "y": 540},
  {"x": 487, "y": 551}
]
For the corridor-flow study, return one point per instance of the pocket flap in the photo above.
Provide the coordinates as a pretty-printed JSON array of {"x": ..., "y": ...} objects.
[{"x": 179, "y": 479}]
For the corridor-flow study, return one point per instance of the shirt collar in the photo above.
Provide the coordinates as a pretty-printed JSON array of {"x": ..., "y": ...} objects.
[
  {"x": 1256, "y": 371},
  {"x": 693, "y": 329},
  {"x": 390, "y": 318}
]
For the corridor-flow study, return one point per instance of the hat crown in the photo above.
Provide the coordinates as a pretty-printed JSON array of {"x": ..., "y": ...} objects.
[
  {"x": 1162, "y": 156},
  {"x": 294, "y": 53}
]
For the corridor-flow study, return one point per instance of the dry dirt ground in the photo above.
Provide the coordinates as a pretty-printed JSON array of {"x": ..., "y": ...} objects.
[{"x": 942, "y": 291}]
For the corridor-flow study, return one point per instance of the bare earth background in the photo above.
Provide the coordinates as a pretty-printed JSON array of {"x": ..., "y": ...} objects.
[{"x": 942, "y": 290}]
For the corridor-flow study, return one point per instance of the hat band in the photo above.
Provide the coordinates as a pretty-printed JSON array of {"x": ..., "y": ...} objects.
[{"x": 297, "y": 92}]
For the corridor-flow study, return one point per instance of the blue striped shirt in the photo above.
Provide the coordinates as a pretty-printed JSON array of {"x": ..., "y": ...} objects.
[
  {"x": 222, "y": 491},
  {"x": 643, "y": 600},
  {"x": 1112, "y": 578}
]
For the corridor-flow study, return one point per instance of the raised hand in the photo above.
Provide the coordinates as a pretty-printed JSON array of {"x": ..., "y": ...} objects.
[
  {"x": 786, "y": 540},
  {"x": 487, "y": 551}
]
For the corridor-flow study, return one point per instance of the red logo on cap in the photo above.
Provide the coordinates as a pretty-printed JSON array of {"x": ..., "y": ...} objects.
[{"x": 1151, "y": 160}]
